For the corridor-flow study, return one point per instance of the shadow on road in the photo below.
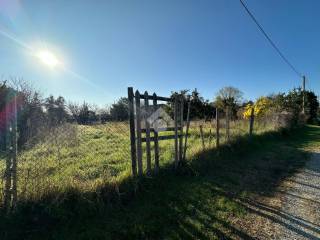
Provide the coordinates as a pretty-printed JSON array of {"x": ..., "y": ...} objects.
[{"x": 201, "y": 201}]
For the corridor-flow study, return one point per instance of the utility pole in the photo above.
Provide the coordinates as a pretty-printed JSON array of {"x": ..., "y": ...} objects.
[{"x": 303, "y": 93}]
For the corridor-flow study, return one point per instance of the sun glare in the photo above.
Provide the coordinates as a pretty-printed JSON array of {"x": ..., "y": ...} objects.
[{"x": 48, "y": 58}]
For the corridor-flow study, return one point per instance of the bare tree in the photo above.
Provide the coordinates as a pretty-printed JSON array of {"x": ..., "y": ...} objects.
[
  {"x": 31, "y": 116},
  {"x": 228, "y": 96}
]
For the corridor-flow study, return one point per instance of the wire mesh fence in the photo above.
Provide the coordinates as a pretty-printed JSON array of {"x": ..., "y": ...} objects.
[
  {"x": 56, "y": 156},
  {"x": 70, "y": 155}
]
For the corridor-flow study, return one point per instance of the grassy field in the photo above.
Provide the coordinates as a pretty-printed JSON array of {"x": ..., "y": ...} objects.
[
  {"x": 76, "y": 184},
  {"x": 198, "y": 202},
  {"x": 85, "y": 158}
]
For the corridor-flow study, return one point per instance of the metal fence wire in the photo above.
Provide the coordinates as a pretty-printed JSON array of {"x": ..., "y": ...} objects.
[
  {"x": 73, "y": 156},
  {"x": 57, "y": 157}
]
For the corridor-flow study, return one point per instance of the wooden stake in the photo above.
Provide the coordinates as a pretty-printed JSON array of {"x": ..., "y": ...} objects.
[
  {"x": 227, "y": 124},
  {"x": 202, "y": 138},
  {"x": 147, "y": 125},
  {"x": 14, "y": 152},
  {"x": 217, "y": 128},
  {"x": 156, "y": 143},
  {"x": 7, "y": 187},
  {"x": 10, "y": 189},
  {"x": 181, "y": 129},
  {"x": 187, "y": 131},
  {"x": 251, "y": 121},
  {"x": 139, "y": 143},
  {"x": 132, "y": 132},
  {"x": 176, "y": 154}
]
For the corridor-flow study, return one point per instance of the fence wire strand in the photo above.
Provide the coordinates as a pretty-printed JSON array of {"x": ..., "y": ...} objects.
[{"x": 58, "y": 157}]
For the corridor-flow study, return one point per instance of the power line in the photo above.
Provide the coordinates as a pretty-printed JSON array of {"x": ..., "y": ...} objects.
[{"x": 270, "y": 41}]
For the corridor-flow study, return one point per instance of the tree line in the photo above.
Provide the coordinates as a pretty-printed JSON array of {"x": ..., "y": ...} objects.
[
  {"x": 232, "y": 98},
  {"x": 35, "y": 111}
]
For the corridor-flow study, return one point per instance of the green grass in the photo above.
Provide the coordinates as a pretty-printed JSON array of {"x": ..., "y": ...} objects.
[
  {"x": 87, "y": 157},
  {"x": 197, "y": 202}
]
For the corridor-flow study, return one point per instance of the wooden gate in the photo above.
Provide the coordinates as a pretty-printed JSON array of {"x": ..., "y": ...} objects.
[{"x": 143, "y": 129}]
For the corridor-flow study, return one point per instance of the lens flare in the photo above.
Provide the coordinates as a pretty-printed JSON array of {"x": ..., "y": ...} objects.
[{"x": 48, "y": 58}]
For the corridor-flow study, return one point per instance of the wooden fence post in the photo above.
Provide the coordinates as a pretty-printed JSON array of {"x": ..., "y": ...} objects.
[
  {"x": 132, "y": 132},
  {"x": 156, "y": 143},
  {"x": 251, "y": 121},
  {"x": 181, "y": 129},
  {"x": 14, "y": 150},
  {"x": 7, "y": 187},
  {"x": 10, "y": 190},
  {"x": 176, "y": 131},
  {"x": 227, "y": 124},
  {"x": 187, "y": 130},
  {"x": 139, "y": 142},
  {"x": 217, "y": 128},
  {"x": 202, "y": 138},
  {"x": 147, "y": 126}
]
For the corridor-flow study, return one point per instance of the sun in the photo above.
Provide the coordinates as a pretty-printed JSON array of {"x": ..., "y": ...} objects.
[{"x": 48, "y": 58}]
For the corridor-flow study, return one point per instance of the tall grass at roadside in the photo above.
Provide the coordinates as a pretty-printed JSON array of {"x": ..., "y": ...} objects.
[
  {"x": 86, "y": 158},
  {"x": 202, "y": 203}
]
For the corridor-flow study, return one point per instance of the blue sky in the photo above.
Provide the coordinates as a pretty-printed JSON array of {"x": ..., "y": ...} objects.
[{"x": 161, "y": 46}]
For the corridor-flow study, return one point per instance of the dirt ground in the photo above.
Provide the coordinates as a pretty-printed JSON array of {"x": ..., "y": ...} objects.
[{"x": 292, "y": 213}]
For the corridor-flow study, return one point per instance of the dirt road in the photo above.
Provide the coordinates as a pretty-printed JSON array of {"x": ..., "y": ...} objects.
[
  {"x": 301, "y": 203},
  {"x": 294, "y": 212}
]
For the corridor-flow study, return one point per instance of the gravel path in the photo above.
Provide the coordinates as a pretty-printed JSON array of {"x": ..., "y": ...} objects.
[
  {"x": 293, "y": 214},
  {"x": 301, "y": 203}
]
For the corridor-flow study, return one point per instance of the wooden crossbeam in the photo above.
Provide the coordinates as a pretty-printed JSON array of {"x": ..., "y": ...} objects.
[
  {"x": 143, "y": 130},
  {"x": 167, "y": 137},
  {"x": 152, "y": 97}
]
